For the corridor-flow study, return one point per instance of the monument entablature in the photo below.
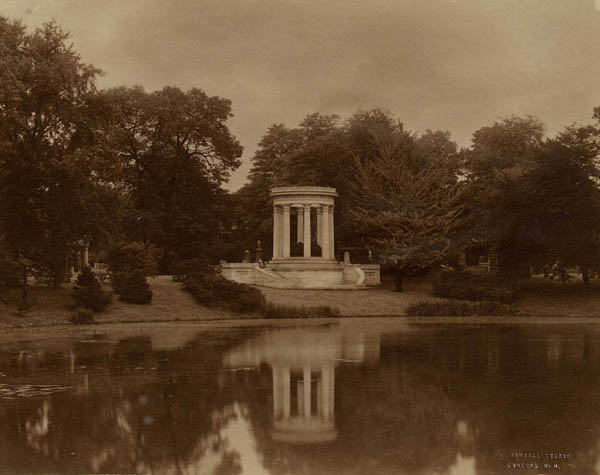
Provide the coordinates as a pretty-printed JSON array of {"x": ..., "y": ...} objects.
[{"x": 297, "y": 196}]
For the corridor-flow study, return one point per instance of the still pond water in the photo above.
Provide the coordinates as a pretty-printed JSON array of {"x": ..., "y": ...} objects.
[{"x": 332, "y": 399}]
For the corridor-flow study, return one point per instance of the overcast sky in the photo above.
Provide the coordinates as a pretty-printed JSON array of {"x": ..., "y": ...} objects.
[{"x": 442, "y": 64}]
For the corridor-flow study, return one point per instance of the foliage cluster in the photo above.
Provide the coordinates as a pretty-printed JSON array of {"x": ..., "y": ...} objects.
[
  {"x": 213, "y": 290},
  {"x": 467, "y": 286},
  {"x": 129, "y": 256},
  {"x": 10, "y": 272},
  {"x": 129, "y": 264},
  {"x": 88, "y": 293},
  {"x": 78, "y": 164},
  {"x": 453, "y": 308},
  {"x": 133, "y": 287},
  {"x": 392, "y": 185},
  {"x": 82, "y": 316},
  {"x": 272, "y": 310},
  {"x": 191, "y": 267},
  {"x": 557, "y": 271}
]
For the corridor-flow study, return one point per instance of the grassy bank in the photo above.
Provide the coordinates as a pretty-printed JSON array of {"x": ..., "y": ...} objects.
[
  {"x": 51, "y": 306},
  {"x": 536, "y": 297}
]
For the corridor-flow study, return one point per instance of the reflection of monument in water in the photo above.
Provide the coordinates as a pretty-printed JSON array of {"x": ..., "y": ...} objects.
[{"x": 303, "y": 367}]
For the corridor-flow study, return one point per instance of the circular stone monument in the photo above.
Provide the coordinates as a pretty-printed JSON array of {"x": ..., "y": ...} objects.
[
  {"x": 308, "y": 204},
  {"x": 303, "y": 222}
]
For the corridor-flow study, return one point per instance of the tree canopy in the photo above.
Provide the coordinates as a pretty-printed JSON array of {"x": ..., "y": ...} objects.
[
  {"x": 174, "y": 151},
  {"x": 49, "y": 197}
]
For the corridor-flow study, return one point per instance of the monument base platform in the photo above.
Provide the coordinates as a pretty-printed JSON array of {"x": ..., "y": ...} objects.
[
  {"x": 302, "y": 273},
  {"x": 304, "y": 431}
]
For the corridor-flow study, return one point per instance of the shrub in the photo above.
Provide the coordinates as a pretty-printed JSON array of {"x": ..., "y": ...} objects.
[
  {"x": 466, "y": 286},
  {"x": 86, "y": 278},
  {"x": 189, "y": 267},
  {"x": 11, "y": 272},
  {"x": 452, "y": 308},
  {"x": 81, "y": 316},
  {"x": 557, "y": 271},
  {"x": 272, "y": 310},
  {"x": 130, "y": 256},
  {"x": 213, "y": 290},
  {"x": 88, "y": 292},
  {"x": 133, "y": 288}
]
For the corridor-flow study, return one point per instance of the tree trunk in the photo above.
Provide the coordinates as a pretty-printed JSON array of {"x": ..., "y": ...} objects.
[
  {"x": 398, "y": 287},
  {"x": 24, "y": 289},
  {"x": 585, "y": 274}
]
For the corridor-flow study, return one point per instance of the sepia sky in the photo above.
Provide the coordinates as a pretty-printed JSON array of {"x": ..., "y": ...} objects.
[{"x": 442, "y": 64}]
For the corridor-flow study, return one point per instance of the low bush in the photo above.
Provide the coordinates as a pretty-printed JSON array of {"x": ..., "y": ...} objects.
[
  {"x": 466, "y": 286},
  {"x": 88, "y": 292},
  {"x": 134, "y": 288},
  {"x": 213, "y": 290},
  {"x": 189, "y": 268},
  {"x": 11, "y": 272},
  {"x": 130, "y": 256},
  {"x": 452, "y": 308},
  {"x": 272, "y": 310},
  {"x": 81, "y": 316}
]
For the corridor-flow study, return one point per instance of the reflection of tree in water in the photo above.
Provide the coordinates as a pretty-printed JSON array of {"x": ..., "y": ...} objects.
[
  {"x": 518, "y": 389},
  {"x": 142, "y": 411},
  {"x": 432, "y": 395}
]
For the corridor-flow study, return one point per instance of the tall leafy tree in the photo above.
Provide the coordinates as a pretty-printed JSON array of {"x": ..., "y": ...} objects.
[
  {"x": 559, "y": 202},
  {"x": 537, "y": 199},
  {"x": 499, "y": 157},
  {"x": 175, "y": 151},
  {"x": 325, "y": 151},
  {"x": 49, "y": 195},
  {"x": 410, "y": 208}
]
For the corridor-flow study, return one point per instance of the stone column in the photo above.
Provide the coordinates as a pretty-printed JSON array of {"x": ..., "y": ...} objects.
[
  {"x": 331, "y": 390},
  {"x": 300, "y": 397},
  {"x": 300, "y": 228},
  {"x": 276, "y": 393},
  {"x": 286, "y": 392},
  {"x": 86, "y": 255},
  {"x": 307, "y": 387},
  {"x": 325, "y": 236},
  {"x": 320, "y": 225},
  {"x": 331, "y": 234},
  {"x": 286, "y": 231},
  {"x": 306, "y": 220},
  {"x": 276, "y": 232},
  {"x": 326, "y": 388},
  {"x": 320, "y": 396}
]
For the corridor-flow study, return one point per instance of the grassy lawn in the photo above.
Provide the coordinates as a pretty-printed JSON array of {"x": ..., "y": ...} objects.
[
  {"x": 539, "y": 296},
  {"x": 536, "y": 297},
  {"x": 53, "y": 306},
  {"x": 377, "y": 301}
]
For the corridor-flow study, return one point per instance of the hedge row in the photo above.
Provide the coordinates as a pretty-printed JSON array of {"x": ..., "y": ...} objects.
[
  {"x": 213, "y": 290},
  {"x": 466, "y": 286},
  {"x": 451, "y": 308}
]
